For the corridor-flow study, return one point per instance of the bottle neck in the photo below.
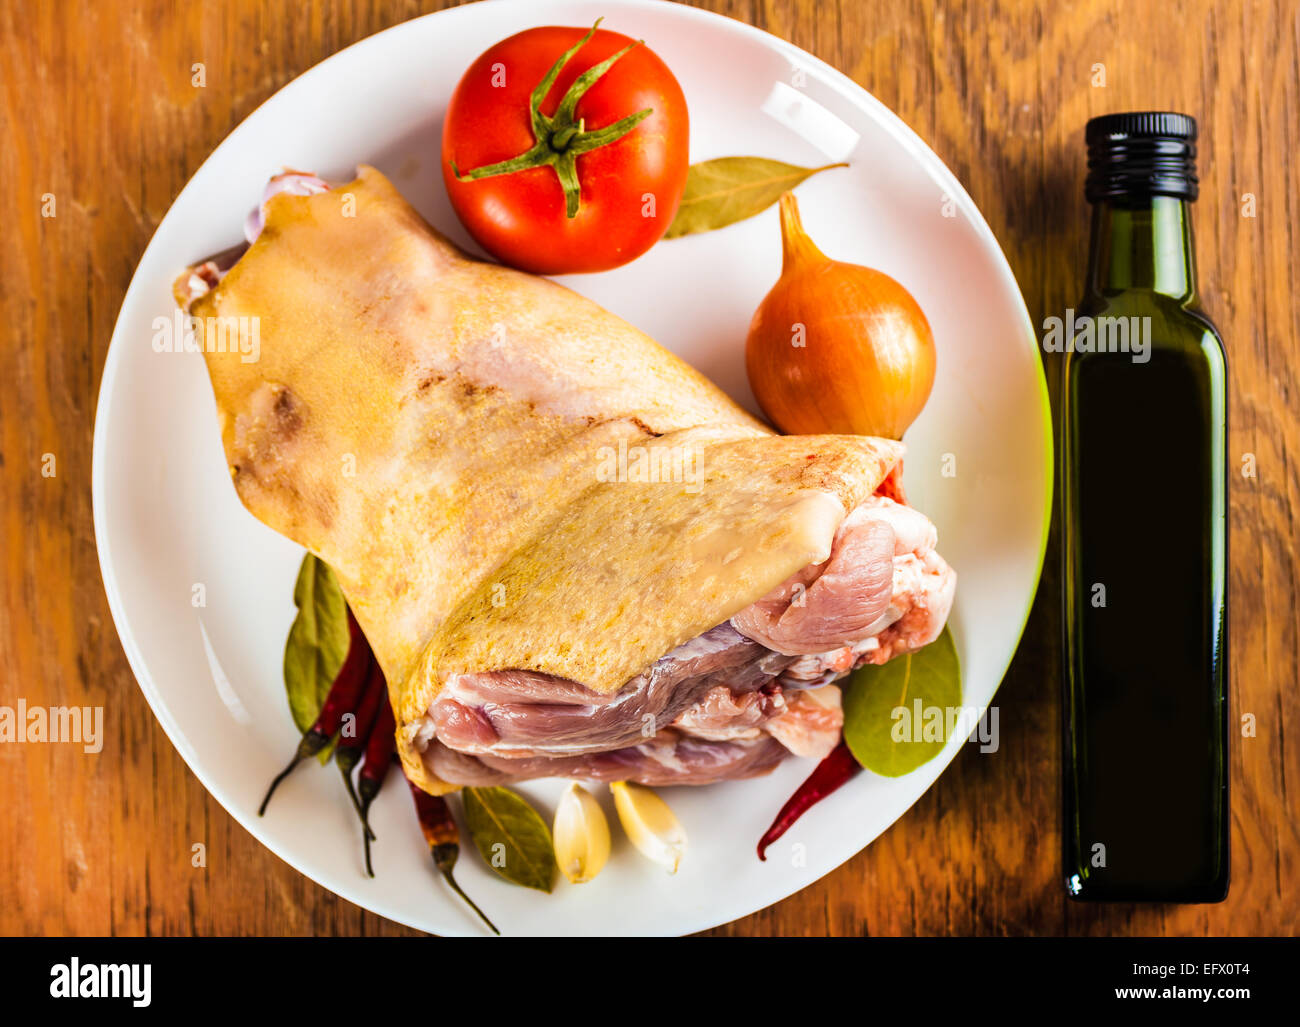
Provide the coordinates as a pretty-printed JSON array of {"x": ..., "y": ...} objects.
[{"x": 1142, "y": 243}]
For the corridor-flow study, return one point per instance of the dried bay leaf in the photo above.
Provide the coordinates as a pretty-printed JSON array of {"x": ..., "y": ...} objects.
[
  {"x": 317, "y": 644},
  {"x": 723, "y": 191},
  {"x": 511, "y": 836},
  {"x": 881, "y": 725}
]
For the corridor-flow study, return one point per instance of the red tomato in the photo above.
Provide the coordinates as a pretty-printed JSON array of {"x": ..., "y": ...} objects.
[{"x": 628, "y": 189}]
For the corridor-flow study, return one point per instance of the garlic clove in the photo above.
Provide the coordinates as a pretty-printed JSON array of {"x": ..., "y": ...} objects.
[
  {"x": 581, "y": 835},
  {"x": 650, "y": 825}
]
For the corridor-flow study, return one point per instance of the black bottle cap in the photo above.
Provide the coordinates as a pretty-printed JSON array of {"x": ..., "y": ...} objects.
[{"x": 1141, "y": 154}]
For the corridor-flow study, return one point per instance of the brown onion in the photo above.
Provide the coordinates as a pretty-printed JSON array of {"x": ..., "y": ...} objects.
[{"x": 837, "y": 348}]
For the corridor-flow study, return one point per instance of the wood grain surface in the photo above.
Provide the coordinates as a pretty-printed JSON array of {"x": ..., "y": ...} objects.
[{"x": 99, "y": 111}]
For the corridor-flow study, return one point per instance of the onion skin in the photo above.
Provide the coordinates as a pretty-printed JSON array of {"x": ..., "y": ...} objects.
[{"x": 837, "y": 348}]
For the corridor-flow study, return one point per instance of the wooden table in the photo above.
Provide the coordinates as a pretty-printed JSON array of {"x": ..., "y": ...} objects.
[{"x": 99, "y": 111}]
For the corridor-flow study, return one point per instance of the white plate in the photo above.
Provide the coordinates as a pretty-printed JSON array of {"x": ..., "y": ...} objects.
[{"x": 167, "y": 519}]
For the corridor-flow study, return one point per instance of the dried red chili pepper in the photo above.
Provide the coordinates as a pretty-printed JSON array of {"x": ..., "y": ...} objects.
[
  {"x": 443, "y": 837},
  {"x": 829, "y": 774},
  {"x": 379, "y": 756},
  {"x": 348, "y": 752},
  {"x": 343, "y": 697}
]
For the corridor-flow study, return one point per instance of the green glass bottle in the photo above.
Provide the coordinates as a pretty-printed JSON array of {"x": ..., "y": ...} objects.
[{"x": 1145, "y": 539}]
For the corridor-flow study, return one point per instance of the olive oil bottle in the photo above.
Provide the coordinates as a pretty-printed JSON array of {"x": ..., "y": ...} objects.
[{"x": 1145, "y": 539}]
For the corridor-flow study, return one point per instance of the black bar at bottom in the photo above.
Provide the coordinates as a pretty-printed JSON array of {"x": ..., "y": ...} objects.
[{"x": 577, "y": 979}]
